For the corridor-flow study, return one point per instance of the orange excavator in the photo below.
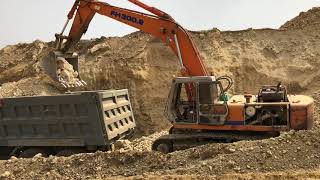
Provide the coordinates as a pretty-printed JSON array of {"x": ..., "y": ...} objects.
[{"x": 197, "y": 106}]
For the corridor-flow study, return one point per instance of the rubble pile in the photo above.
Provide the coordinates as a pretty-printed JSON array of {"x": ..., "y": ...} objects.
[{"x": 67, "y": 76}]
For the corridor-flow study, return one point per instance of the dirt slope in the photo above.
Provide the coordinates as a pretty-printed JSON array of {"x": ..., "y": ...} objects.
[
  {"x": 304, "y": 20},
  {"x": 146, "y": 67},
  {"x": 143, "y": 64}
]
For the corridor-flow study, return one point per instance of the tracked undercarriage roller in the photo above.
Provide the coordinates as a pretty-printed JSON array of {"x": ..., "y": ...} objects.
[{"x": 180, "y": 139}]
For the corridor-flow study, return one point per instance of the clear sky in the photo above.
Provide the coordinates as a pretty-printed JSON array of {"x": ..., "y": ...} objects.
[{"x": 28, "y": 20}]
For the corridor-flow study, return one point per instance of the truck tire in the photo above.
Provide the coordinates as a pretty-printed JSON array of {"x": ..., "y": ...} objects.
[
  {"x": 69, "y": 152},
  {"x": 164, "y": 146},
  {"x": 7, "y": 152},
  {"x": 31, "y": 152}
]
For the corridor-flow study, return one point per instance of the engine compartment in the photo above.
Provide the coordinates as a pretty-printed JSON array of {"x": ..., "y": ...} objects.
[
  {"x": 272, "y": 106},
  {"x": 271, "y": 93}
]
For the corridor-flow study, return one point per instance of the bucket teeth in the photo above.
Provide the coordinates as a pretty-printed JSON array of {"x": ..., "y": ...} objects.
[
  {"x": 75, "y": 84},
  {"x": 83, "y": 82},
  {"x": 63, "y": 85},
  {"x": 79, "y": 83}
]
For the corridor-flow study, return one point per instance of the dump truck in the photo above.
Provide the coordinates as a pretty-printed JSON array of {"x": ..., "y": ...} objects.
[{"x": 84, "y": 121}]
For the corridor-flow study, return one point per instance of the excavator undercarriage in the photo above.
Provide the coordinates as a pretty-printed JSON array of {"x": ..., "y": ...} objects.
[{"x": 180, "y": 139}]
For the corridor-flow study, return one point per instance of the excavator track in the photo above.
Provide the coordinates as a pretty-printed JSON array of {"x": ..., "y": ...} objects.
[{"x": 178, "y": 141}]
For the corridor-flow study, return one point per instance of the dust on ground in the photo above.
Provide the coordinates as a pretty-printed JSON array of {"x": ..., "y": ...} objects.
[{"x": 143, "y": 64}]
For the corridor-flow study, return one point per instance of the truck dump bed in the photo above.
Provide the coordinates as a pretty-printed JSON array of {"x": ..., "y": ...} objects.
[{"x": 88, "y": 118}]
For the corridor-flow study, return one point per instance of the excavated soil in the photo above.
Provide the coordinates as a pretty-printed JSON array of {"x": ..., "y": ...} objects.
[{"x": 146, "y": 67}]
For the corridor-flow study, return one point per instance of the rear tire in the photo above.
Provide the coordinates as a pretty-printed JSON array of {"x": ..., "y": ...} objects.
[
  {"x": 164, "y": 146},
  {"x": 69, "y": 152},
  {"x": 7, "y": 152},
  {"x": 31, "y": 152}
]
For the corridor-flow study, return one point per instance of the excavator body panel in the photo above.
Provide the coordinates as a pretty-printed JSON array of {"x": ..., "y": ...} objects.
[
  {"x": 208, "y": 118},
  {"x": 241, "y": 112}
]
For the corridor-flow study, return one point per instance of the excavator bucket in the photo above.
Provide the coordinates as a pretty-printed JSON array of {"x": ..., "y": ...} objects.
[{"x": 63, "y": 69}]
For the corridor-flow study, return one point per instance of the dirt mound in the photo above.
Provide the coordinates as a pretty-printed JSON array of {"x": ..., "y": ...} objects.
[
  {"x": 28, "y": 87},
  {"x": 304, "y": 20},
  {"x": 290, "y": 151}
]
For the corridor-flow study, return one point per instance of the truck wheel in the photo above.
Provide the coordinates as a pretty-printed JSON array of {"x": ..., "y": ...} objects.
[
  {"x": 171, "y": 130},
  {"x": 111, "y": 147},
  {"x": 163, "y": 146},
  {"x": 7, "y": 152},
  {"x": 31, "y": 152},
  {"x": 69, "y": 152}
]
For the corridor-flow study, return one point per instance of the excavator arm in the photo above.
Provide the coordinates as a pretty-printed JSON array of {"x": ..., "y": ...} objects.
[{"x": 160, "y": 25}]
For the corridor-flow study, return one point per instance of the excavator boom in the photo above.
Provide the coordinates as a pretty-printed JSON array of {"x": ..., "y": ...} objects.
[{"x": 160, "y": 25}]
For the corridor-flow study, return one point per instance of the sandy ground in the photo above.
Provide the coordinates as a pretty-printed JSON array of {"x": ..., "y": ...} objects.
[{"x": 143, "y": 64}]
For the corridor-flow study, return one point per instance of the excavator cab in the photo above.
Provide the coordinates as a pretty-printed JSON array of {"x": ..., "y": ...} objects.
[{"x": 196, "y": 100}]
